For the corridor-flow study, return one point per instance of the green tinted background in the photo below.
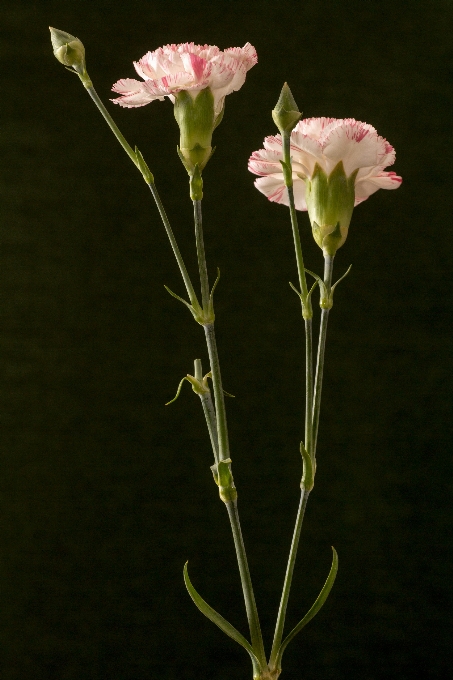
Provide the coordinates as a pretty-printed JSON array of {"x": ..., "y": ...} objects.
[{"x": 105, "y": 492}]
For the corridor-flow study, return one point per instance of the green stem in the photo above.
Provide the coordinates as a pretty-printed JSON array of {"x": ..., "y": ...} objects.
[
  {"x": 222, "y": 427},
  {"x": 308, "y": 384},
  {"x": 108, "y": 118},
  {"x": 306, "y": 302},
  {"x": 247, "y": 588},
  {"x": 224, "y": 450},
  {"x": 328, "y": 267},
  {"x": 171, "y": 237},
  {"x": 132, "y": 155},
  {"x": 204, "y": 281},
  {"x": 288, "y": 579},
  {"x": 292, "y": 208},
  {"x": 209, "y": 414}
]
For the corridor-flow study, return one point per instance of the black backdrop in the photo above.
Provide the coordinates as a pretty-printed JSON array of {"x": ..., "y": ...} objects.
[{"x": 105, "y": 492}]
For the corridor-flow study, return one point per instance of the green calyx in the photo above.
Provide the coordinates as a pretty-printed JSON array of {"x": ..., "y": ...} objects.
[
  {"x": 197, "y": 120},
  {"x": 69, "y": 50},
  {"x": 330, "y": 202},
  {"x": 286, "y": 114}
]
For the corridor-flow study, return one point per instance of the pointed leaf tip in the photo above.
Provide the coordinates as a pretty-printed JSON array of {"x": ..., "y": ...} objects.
[
  {"x": 322, "y": 597},
  {"x": 219, "y": 621}
]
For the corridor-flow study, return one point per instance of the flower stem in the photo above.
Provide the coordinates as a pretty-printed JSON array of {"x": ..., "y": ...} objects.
[
  {"x": 308, "y": 385},
  {"x": 171, "y": 237},
  {"x": 307, "y": 315},
  {"x": 110, "y": 122},
  {"x": 286, "y": 138},
  {"x": 288, "y": 578},
  {"x": 224, "y": 449},
  {"x": 209, "y": 412},
  {"x": 247, "y": 588},
  {"x": 204, "y": 281},
  {"x": 133, "y": 156},
  {"x": 328, "y": 268}
]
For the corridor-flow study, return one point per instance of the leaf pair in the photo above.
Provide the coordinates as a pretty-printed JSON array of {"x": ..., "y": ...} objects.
[{"x": 231, "y": 631}]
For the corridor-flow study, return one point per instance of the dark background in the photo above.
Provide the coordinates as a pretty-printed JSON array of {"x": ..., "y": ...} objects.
[{"x": 105, "y": 492}]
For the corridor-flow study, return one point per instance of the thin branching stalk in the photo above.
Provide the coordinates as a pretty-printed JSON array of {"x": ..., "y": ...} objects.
[{"x": 328, "y": 268}]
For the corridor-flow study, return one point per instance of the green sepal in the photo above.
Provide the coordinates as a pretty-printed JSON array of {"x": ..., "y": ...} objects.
[
  {"x": 227, "y": 490},
  {"x": 330, "y": 203},
  {"x": 222, "y": 623},
  {"x": 142, "y": 166},
  {"x": 196, "y": 119},
  {"x": 309, "y": 469},
  {"x": 331, "y": 241},
  {"x": 322, "y": 597}
]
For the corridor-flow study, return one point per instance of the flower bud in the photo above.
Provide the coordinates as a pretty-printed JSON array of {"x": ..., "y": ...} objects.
[
  {"x": 286, "y": 114},
  {"x": 196, "y": 118},
  {"x": 68, "y": 49},
  {"x": 330, "y": 202}
]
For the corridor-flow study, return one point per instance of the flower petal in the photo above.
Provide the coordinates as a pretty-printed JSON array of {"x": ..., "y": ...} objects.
[
  {"x": 367, "y": 185},
  {"x": 273, "y": 186},
  {"x": 134, "y": 93},
  {"x": 192, "y": 67}
]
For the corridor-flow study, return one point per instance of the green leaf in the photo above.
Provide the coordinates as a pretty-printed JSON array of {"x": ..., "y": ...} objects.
[
  {"x": 219, "y": 621},
  {"x": 177, "y": 393},
  {"x": 322, "y": 597},
  {"x": 341, "y": 278}
]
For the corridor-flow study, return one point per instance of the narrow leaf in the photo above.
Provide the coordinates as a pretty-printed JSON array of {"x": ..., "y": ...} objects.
[
  {"x": 342, "y": 277},
  {"x": 219, "y": 621},
  {"x": 179, "y": 298},
  {"x": 177, "y": 393},
  {"x": 211, "y": 296},
  {"x": 322, "y": 597}
]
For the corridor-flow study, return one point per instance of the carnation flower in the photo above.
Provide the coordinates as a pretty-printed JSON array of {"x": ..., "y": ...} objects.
[
  {"x": 336, "y": 164},
  {"x": 190, "y": 67},
  {"x": 197, "y": 79}
]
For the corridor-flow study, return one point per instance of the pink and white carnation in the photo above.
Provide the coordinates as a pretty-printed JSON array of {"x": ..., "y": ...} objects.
[
  {"x": 324, "y": 143},
  {"x": 173, "y": 68}
]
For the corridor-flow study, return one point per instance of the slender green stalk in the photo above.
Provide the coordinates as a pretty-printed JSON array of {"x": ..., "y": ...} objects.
[
  {"x": 204, "y": 281},
  {"x": 307, "y": 315},
  {"x": 109, "y": 120},
  {"x": 209, "y": 411},
  {"x": 209, "y": 414},
  {"x": 328, "y": 268},
  {"x": 171, "y": 237},
  {"x": 286, "y": 138},
  {"x": 133, "y": 156},
  {"x": 306, "y": 303},
  {"x": 308, "y": 384},
  {"x": 224, "y": 449},
  {"x": 222, "y": 427},
  {"x": 247, "y": 588},
  {"x": 288, "y": 578}
]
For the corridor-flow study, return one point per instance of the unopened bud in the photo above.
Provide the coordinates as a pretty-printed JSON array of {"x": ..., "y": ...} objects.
[
  {"x": 286, "y": 114},
  {"x": 68, "y": 49}
]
